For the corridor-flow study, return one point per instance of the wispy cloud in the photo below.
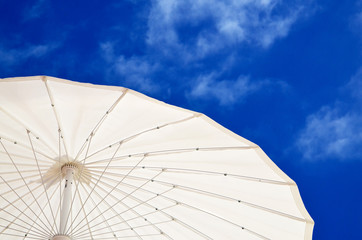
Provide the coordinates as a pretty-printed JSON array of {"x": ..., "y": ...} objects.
[
  {"x": 134, "y": 72},
  {"x": 16, "y": 56},
  {"x": 335, "y": 131},
  {"x": 226, "y": 92},
  {"x": 35, "y": 10},
  {"x": 184, "y": 35},
  {"x": 216, "y": 25}
]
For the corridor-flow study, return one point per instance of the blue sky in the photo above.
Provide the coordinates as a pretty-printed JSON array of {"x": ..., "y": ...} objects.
[{"x": 286, "y": 75}]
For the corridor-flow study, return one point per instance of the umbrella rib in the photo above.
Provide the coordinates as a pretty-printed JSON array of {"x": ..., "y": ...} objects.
[
  {"x": 178, "y": 202},
  {"x": 20, "y": 231},
  {"x": 159, "y": 210},
  {"x": 58, "y": 208},
  {"x": 23, "y": 171},
  {"x": 190, "y": 189},
  {"x": 92, "y": 189},
  {"x": 27, "y": 158},
  {"x": 162, "y": 210},
  {"x": 41, "y": 177},
  {"x": 125, "y": 229},
  {"x": 16, "y": 119},
  {"x": 98, "y": 125},
  {"x": 26, "y": 186},
  {"x": 143, "y": 217},
  {"x": 21, "y": 212},
  {"x": 173, "y": 151},
  {"x": 101, "y": 214},
  {"x": 216, "y": 216},
  {"x": 104, "y": 219},
  {"x": 40, "y": 231},
  {"x": 115, "y": 188},
  {"x": 128, "y": 208},
  {"x": 13, "y": 222},
  {"x": 81, "y": 203},
  {"x": 21, "y": 164},
  {"x": 146, "y": 131},
  {"x": 181, "y": 203},
  {"x": 56, "y": 115},
  {"x": 11, "y": 204},
  {"x": 14, "y": 189},
  {"x": 60, "y": 177},
  {"x": 24, "y": 146},
  {"x": 126, "y": 221},
  {"x": 17, "y": 179},
  {"x": 49, "y": 205},
  {"x": 77, "y": 184},
  {"x": 143, "y": 235},
  {"x": 215, "y": 195},
  {"x": 15, "y": 235},
  {"x": 27, "y": 207},
  {"x": 193, "y": 171}
]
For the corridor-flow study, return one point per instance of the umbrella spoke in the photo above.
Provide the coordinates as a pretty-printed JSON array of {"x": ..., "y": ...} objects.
[
  {"x": 118, "y": 214},
  {"x": 114, "y": 186},
  {"x": 85, "y": 214},
  {"x": 91, "y": 190},
  {"x": 194, "y": 171},
  {"x": 98, "y": 125},
  {"x": 127, "y": 139},
  {"x": 200, "y": 191},
  {"x": 21, "y": 123},
  {"x": 23, "y": 212},
  {"x": 101, "y": 214},
  {"x": 126, "y": 229},
  {"x": 42, "y": 181},
  {"x": 140, "y": 236},
  {"x": 187, "y": 205},
  {"x": 51, "y": 196},
  {"x": 76, "y": 187},
  {"x": 176, "y": 203},
  {"x": 25, "y": 157},
  {"x": 15, "y": 235},
  {"x": 23, "y": 146},
  {"x": 23, "y": 171},
  {"x": 18, "y": 179},
  {"x": 17, "y": 188},
  {"x": 25, "y": 184},
  {"x": 20, "y": 231},
  {"x": 60, "y": 176},
  {"x": 56, "y": 115},
  {"x": 38, "y": 231},
  {"x": 172, "y": 151}
]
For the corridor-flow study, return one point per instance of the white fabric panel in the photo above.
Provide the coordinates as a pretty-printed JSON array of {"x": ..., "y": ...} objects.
[{"x": 76, "y": 119}]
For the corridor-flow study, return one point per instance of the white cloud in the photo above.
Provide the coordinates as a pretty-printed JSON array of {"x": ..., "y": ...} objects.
[
  {"x": 190, "y": 31},
  {"x": 216, "y": 25},
  {"x": 14, "y": 56},
  {"x": 226, "y": 92},
  {"x": 35, "y": 10},
  {"x": 335, "y": 130},
  {"x": 137, "y": 72},
  {"x": 134, "y": 72}
]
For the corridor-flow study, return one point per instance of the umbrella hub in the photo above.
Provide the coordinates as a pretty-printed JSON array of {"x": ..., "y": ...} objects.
[
  {"x": 58, "y": 171},
  {"x": 72, "y": 165},
  {"x": 60, "y": 237}
]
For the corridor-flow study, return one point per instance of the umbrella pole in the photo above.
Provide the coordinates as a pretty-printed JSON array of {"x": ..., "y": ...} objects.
[{"x": 67, "y": 197}]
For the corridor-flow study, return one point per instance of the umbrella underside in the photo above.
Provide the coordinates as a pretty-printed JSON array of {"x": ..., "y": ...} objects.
[{"x": 81, "y": 161}]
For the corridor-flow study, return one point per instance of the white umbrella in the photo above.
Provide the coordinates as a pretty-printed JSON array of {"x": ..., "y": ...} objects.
[{"x": 82, "y": 161}]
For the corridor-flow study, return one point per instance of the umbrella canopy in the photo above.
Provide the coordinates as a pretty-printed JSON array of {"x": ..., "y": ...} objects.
[{"x": 82, "y": 161}]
